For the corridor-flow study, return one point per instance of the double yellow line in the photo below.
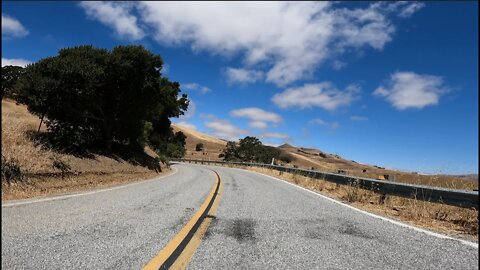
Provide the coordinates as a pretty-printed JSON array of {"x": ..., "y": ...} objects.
[{"x": 179, "y": 251}]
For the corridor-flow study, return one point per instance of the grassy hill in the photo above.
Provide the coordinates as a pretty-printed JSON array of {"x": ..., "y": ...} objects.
[
  {"x": 212, "y": 146},
  {"x": 35, "y": 160}
]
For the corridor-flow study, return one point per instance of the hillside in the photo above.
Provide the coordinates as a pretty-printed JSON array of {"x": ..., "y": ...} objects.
[
  {"x": 212, "y": 146},
  {"x": 20, "y": 141},
  {"x": 311, "y": 158}
]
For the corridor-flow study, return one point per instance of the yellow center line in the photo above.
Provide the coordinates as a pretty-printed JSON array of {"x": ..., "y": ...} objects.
[{"x": 190, "y": 236}]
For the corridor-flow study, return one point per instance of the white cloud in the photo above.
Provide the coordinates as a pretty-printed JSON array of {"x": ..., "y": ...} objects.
[
  {"x": 323, "y": 95},
  {"x": 15, "y": 62},
  {"x": 258, "y": 124},
  {"x": 257, "y": 114},
  {"x": 411, "y": 8},
  {"x": 239, "y": 75},
  {"x": 196, "y": 87},
  {"x": 338, "y": 65},
  {"x": 358, "y": 118},
  {"x": 187, "y": 125},
  {"x": 362, "y": 27},
  {"x": 11, "y": 27},
  {"x": 276, "y": 135},
  {"x": 287, "y": 40},
  {"x": 224, "y": 129},
  {"x": 115, "y": 15},
  {"x": 404, "y": 9},
  {"x": 274, "y": 138},
  {"x": 321, "y": 122},
  {"x": 259, "y": 118},
  {"x": 410, "y": 90}
]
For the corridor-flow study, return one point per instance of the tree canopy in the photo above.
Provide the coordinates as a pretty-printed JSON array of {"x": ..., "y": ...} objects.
[
  {"x": 95, "y": 96},
  {"x": 250, "y": 149},
  {"x": 10, "y": 75}
]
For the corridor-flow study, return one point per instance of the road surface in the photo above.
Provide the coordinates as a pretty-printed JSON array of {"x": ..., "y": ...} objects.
[{"x": 260, "y": 223}]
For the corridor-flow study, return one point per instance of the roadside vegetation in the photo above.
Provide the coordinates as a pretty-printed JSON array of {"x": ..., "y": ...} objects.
[
  {"x": 456, "y": 221},
  {"x": 88, "y": 115}
]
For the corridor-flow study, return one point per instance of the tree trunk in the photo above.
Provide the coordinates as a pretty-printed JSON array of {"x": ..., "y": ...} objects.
[{"x": 41, "y": 120}]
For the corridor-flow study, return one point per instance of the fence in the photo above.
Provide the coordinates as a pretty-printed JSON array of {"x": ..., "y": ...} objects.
[{"x": 461, "y": 198}]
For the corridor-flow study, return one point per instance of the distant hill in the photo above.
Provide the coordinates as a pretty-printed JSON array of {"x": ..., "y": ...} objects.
[
  {"x": 285, "y": 146},
  {"x": 312, "y": 158}
]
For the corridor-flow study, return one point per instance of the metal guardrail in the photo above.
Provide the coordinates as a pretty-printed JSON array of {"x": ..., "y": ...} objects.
[{"x": 461, "y": 198}]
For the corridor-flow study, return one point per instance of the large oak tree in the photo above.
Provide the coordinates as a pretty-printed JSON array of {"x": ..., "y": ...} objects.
[{"x": 95, "y": 96}]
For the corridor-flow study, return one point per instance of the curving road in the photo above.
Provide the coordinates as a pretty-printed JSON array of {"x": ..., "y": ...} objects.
[{"x": 261, "y": 223}]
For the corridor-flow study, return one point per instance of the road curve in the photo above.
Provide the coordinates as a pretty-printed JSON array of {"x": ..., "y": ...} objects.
[
  {"x": 117, "y": 229},
  {"x": 261, "y": 223}
]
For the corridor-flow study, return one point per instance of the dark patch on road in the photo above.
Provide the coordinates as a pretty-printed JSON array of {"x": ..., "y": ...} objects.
[
  {"x": 314, "y": 228},
  {"x": 211, "y": 227},
  {"x": 234, "y": 184},
  {"x": 311, "y": 222},
  {"x": 242, "y": 230},
  {"x": 351, "y": 229}
]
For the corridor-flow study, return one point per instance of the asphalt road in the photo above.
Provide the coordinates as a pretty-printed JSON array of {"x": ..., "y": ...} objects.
[{"x": 261, "y": 223}]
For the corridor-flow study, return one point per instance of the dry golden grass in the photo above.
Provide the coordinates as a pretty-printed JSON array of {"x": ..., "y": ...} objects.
[
  {"x": 43, "y": 186},
  {"x": 35, "y": 160},
  {"x": 212, "y": 146},
  {"x": 332, "y": 164},
  {"x": 16, "y": 122},
  {"x": 198, "y": 136},
  {"x": 451, "y": 220}
]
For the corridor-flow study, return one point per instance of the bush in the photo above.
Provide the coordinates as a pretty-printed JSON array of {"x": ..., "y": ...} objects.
[
  {"x": 163, "y": 159},
  {"x": 199, "y": 147},
  {"x": 11, "y": 170},
  {"x": 285, "y": 157},
  {"x": 323, "y": 155},
  {"x": 61, "y": 165},
  {"x": 353, "y": 193},
  {"x": 175, "y": 150}
]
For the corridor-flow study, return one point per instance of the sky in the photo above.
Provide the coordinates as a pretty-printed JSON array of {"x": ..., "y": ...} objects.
[{"x": 393, "y": 84}]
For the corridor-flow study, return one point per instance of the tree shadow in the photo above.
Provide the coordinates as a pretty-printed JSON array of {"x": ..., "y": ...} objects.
[{"x": 118, "y": 152}]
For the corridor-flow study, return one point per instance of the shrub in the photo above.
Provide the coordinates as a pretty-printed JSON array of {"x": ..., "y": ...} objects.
[
  {"x": 323, "y": 155},
  {"x": 285, "y": 157},
  {"x": 164, "y": 160},
  {"x": 11, "y": 170},
  {"x": 175, "y": 150},
  {"x": 61, "y": 165},
  {"x": 199, "y": 147}
]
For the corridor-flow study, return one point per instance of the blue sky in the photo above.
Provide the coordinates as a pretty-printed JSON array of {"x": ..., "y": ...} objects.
[{"x": 389, "y": 84}]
